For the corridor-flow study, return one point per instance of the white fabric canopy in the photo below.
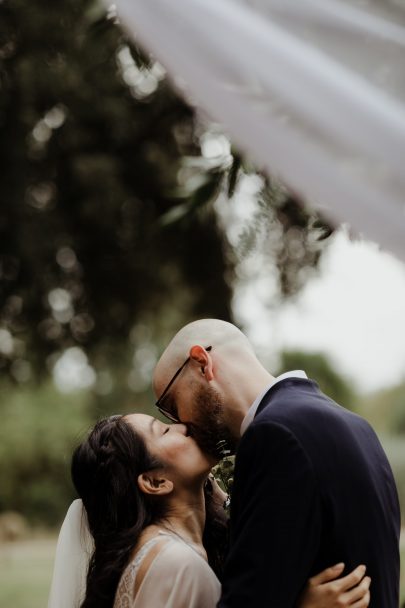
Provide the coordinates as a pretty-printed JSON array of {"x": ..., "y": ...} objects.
[{"x": 312, "y": 90}]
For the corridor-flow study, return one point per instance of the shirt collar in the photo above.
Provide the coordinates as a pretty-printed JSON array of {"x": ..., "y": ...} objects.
[{"x": 298, "y": 373}]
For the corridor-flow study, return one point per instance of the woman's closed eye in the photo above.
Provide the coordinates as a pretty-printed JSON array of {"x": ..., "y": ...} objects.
[{"x": 167, "y": 430}]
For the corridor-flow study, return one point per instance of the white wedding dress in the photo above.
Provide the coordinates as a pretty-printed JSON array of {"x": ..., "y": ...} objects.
[{"x": 178, "y": 576}]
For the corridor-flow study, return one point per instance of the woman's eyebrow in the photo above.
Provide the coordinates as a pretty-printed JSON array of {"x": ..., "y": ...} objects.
[{"x": 151, "y": 424}]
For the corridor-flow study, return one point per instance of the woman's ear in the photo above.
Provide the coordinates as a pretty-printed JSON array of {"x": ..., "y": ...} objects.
[
  {"x": 203, "y": 359},
  {"x": 154, "y": 483}
]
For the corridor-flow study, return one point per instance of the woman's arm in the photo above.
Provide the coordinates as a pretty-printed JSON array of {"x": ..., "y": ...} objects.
[{"x": 326, "y": 590}]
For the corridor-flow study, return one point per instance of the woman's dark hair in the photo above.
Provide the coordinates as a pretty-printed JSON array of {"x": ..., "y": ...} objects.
[
  {"x": 216, "y": 532},
  {"x": 105, "y": 468}
]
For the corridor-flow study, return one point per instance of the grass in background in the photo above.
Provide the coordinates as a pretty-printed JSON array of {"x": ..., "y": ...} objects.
[
  {"x": 26, "y": 571},
  {"x": 402, "y": 582}
]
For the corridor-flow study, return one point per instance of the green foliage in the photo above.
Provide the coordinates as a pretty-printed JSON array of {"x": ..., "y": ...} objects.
[
  {"x": 38, "y": 433},
  {"x": 395, "y": 450},
  {"x": 386, "y": 409},
  {"x": 223, "y": 473},
  {"x": 290, "y": 237},
  {"x": 40, "y": 429},
  {"x": 318, "y": 368},
  {"x": 106, "y": 218},
  {"x": 93, "y": 150}
]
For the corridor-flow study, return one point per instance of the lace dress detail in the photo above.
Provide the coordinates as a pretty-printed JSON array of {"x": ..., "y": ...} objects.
[
  {"x": 178, "y": 577},
  {"x": 124, "y": 597}
]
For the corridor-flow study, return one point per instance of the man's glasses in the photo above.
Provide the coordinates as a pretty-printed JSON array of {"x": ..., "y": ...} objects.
[{"x": 158, "y": 403}]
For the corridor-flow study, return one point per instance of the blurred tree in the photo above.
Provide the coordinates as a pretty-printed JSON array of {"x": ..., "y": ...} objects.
[
  {"x": 92, "y": 144},
  {"x": 290, "y": 236},
  {"x": 318, "y": 368},
  {"x": 37, "y": 436},
  {"x": 386, "y": 409},
  {"x": 396, "y": 399},
  {"x": 106, "y": 222}
]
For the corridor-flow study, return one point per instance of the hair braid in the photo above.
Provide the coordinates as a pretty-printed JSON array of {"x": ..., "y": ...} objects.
[{"x": 104, "y": 471}]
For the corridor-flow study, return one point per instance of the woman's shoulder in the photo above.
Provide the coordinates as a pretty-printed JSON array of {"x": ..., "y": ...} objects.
[
  {"x": 177, "y": 552},
  {"x": 180, "y": 560},
  {"x": 171, "y": 556},
  {"x": 178, "y": 576}
]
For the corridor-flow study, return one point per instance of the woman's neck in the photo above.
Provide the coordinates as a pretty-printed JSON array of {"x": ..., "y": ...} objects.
[{"x": 186, "y": 516}]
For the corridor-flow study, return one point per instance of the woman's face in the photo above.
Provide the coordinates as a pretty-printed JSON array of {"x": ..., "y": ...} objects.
[{"x": 171, "y": 444}]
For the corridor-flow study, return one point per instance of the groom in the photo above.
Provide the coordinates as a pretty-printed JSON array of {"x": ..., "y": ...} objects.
[{"x": 312, "y": 484}]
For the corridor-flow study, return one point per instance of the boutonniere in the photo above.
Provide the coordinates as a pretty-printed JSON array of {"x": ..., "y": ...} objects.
[{"x": 223, "y": 473}]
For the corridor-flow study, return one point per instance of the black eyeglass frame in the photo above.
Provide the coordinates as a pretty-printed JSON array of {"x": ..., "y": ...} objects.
[{"x": 158, "y": 403}]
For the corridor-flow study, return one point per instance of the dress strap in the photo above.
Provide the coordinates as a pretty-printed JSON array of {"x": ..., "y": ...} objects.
[
  {"x": 136, "y": 562},
  {"x": 125, "y": 592}
]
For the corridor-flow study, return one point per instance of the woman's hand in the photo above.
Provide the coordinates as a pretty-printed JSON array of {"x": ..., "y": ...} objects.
[{"x": 325, "y": 590}]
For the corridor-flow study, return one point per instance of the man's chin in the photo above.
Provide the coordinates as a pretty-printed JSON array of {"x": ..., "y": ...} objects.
[{"x": 208, "y": 428}]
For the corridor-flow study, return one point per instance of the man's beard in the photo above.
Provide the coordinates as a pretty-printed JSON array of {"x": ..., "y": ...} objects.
[{"x": 208, "y": 428}]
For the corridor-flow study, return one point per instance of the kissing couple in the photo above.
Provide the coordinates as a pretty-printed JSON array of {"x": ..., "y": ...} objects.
[{"x": 314, "y": 502}]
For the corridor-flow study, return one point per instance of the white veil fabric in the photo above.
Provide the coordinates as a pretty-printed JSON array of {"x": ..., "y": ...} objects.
[
  {"x": 312, "y": 90},
  {"x": 73, "y": 552}
]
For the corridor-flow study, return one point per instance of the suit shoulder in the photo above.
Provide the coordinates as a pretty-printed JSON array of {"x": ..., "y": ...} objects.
[
  {"x": 299, "y": 403},
  {"x": 316, "y": 421}
]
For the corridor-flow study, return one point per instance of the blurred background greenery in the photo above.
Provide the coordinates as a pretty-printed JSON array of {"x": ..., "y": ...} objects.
[{"x": 110, "y": 239}]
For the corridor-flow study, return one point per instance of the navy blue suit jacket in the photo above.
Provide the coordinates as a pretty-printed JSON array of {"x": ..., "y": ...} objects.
[{"x": 313, "y": 487}]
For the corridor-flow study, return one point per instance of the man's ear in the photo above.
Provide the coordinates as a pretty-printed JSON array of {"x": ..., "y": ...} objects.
[
  {"x": 203, "y": 358},
  {"x": 153, "y": 483}
]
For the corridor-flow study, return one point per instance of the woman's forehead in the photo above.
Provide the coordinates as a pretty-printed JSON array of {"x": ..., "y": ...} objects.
[{"x": 142, "y": 421}]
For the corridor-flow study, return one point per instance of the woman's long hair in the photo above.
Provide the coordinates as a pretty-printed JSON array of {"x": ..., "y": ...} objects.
[
  {"x": 105, "y": 469},
  {"x": 216, "y": 532}
]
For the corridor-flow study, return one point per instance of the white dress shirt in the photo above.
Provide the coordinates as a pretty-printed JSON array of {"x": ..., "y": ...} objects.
[{"x": 298, "y": 373}]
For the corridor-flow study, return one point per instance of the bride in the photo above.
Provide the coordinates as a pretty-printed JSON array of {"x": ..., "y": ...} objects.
[{"x": 159, "y": 534}]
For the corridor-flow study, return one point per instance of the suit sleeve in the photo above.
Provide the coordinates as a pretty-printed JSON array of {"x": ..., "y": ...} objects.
[{"x": 275, "y": 521}]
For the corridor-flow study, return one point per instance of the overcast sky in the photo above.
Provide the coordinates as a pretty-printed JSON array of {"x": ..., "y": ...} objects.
[{"x": 354, "y": 310}]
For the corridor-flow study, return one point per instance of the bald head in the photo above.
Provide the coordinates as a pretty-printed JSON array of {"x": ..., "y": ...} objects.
[
  {"x": 218, "y": 386},
  {"x": 204, "y": 332}
]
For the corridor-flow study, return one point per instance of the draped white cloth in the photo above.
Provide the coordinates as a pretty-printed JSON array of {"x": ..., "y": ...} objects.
[
  {"x": 312, "y": 90},
  {"x": 73, "y": 552}
]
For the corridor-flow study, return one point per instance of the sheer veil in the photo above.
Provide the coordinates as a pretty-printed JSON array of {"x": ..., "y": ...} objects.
[
  {"x": 73, "y": 551},
  {"x": 312, "y": 90}
]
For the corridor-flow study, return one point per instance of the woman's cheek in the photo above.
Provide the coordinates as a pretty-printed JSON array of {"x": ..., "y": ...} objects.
[{"x": 176, "y": 451}]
